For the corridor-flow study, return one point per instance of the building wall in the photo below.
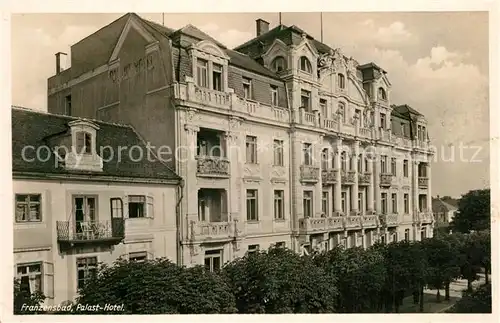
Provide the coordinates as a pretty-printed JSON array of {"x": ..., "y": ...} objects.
[{"x": 38, "y": 243}]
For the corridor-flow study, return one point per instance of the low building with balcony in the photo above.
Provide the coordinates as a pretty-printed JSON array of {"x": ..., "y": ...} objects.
[
  {"x": 250, "y": 126},
  {"x": 80, "y": 200}
]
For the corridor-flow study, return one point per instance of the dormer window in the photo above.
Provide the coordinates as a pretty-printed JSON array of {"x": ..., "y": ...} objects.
[
  {"x": 202, "y": 73},
  {"x": 278, "y": 64},
  {"x": 382, "y": 95},
  {"x": 305, "y": 65},
  {"x": 83, "y": 143},
  {"x": 341, "y": 81},
  {"x": 217, "y": 77}
]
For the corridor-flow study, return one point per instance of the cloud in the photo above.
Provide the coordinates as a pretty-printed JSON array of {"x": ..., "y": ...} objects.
[
  {"x": 230, "y": 37},
  {"x": 394, "y": 33}
]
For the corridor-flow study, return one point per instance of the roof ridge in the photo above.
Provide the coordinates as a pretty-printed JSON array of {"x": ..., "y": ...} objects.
[{"x": 62, "y": 116}]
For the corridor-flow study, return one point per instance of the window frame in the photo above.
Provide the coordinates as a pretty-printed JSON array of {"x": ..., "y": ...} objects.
[
  {"x": 406, "y": 201},
  {"x": 393, "y": 166},
  {"x": 279, "y": 204},
  {"x": 219, "y": 70},
  {"x": 87, "y": 269},
  {"x": 383, "y": 202},
  {"x": 252, "y": 217},
  {"x": 405, "y": 168},
  {"x": 251, "y": 149},
  {"x": 83, "y": 144},
  {"x": 278, "y": 153},
  {"x": 211, "y": 255},
  {"x": 274, "y": 96},
  {"x": 305, "y": 100},
  {"x": 27, "y": 203},
  {"x": 341, "y": 81},
  {"x": 305, "y": 65},
  {"x": 274, "y": 66},
  {"x": 308, "y": 203},
  {"x": 147, "y": 208},
  {"x": 325, "y": 203},
  {"x": 247, "y": 84},
  {"x": 199, "y": 75},
  {"x": 132, "y": 256},
  {"x": 31, "y": 274},
  {"x": 307, "y": 154},
  {"x": 394, "y": 200}
]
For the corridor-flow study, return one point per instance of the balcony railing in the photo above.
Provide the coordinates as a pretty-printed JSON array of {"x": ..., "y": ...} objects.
[
  {"x": 425, "y": 217},
  {"x": 385, "y": 180},
  {"x": 309, "y": 173},
  {"x": 423, "y": 182},
  {"x": 365, "y": 132},
  {"x": 389, "y": 220},
  {"x": 212, "y": 230},
  {"x": 348, "y": 177},
  {"x": 370, "y": 221},
  {"x": 364, "y": 179},
  {"x": 352, "y": 222},
  {"x": 313, "y": 225},
  {"x": 212, "y": 166},
  {"x": 211, "y": 97},
  {"x": 329, "y": 176},
  {"x": 330, "y": 124},
  {"x": 91, "y": 231}
]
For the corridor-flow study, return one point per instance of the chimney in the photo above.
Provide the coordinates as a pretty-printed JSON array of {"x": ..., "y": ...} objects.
[
  {"x": 60, "y": 66},
  {"x": 262, "y": 26}
]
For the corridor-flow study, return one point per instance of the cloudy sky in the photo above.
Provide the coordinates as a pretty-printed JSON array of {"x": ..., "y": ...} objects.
[{"x": 437, "y": 63}]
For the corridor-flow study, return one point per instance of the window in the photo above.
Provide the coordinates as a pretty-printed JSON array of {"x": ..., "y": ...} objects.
[
  {"x": 384, "y": 202},
  {"x": 324, "y": 203},
  {"x": 28, "y": 208},
  {"x": 116, "y": 205},
  {"x": 86, "y": 268},
  {"x": 308, "y": 206},
  {"x": 83, "y": 142},
  {"x": 322, "y": 105},
  {"x": 247, "y": 88},
  {"x": 405, "y": 168},
  {"x": 305, "y": 65},
  {"x": 307, "y": 153},
  {"x": 381, "y": 94},
  {"x": 357, "y": 116},
  {"x": 138, "y": 256},
  {"x": 278, "y": 64},
  {"x": 382, "y": 121},
  {"x": 217, "y": 77},
  {"x": 213, "y": 260},
  {"x": 341, "y": 81},
  {"x": 366, "y": 164},
  {"x": 403, "y": 130},
  {"x": 343, "y": 196},
  {"x": 84, "y": 210},
  {"x": 424, "y": 136},
  {"x": 274, "y": 96},
  {"x": 252, "y": 206},
  {"x": 253, "y": 248},
  {"x": 279, "y": 205},
  {"x": 382, "y": 239},
  {"x": 343, "y": 161},
  {"x": 393, "y": 166},
  {"x": 251, "y": 146},
  {"x": 423, "y": 234},
  {"x": 341, "y": 113},
  {"x": 383, "y": 164},
  {"x": 394, "y": 203},
  {"x": 407, "y": 234},
  {"x": 30, "y": 276},
  {"x": 305, "y": 100},
  {"x": 140, "y": 206},
  {"x": 67, "y": 105},
  {"x": 360, "y": 202},
  {"x": 280, "y": 244},
  {"x": 360, "y": 163},
  {"x": 324, "y": 159},
  {"x": 406, "y": 203},
  {"x": 202, "y": 73},
  {"x": 278, "y": 153}
]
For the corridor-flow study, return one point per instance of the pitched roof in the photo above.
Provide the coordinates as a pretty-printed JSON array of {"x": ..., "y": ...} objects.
[
  {"x": 33, "y": 128},
  {"x": 438, "y": 203}
]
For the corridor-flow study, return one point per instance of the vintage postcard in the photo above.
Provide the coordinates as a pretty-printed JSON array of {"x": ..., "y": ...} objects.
[{"x": 250, "y": 163}]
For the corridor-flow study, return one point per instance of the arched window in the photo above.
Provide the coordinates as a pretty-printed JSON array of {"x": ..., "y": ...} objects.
[
  {"x": 305, "y": 65},
  {"x": 341, "y": 80},
  {"x": 278, "y": 64},
  {"x": 381, "y": 94}
]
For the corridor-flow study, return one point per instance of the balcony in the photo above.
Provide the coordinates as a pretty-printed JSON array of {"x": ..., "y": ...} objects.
[
  {"x": 320, "y": 225},
  {"x": 211, "y": 97},
  {"x": 212, "y": 230},
  {"x": 348, "y": 177},
  {"x": 389, "y": 220},
  {"x": 364, "y": 179},
  {"x": 352, "y": 222},
  {"x": 385, "y": 180},
  {"x": 425, "y": 217},
  {"x": 330, "y": 124},
  {"x": 370, "y": 221},
  {"x": 309, "y": 173},
  {"x": 423, "y": 182},
  {"x": 329, "y": 176},
  {"x": 365, "y": 132},
  {"x": 84, "y": 232},
  {"x": 212, "y": 166}
]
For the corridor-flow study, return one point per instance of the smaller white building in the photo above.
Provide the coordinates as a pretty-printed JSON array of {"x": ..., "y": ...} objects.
[{"x": 86, "y": 192}]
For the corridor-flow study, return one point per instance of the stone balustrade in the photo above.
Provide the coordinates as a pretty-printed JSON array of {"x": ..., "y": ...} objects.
[
  {"x": 309, "y": 173},
  {"x": 212, "y": 166},
  {"x": 385, "y": 180},
  {"x": 364, "y": 178},
  {"x": 423, "y": 182},
  {"x": 329, "y": 176}
]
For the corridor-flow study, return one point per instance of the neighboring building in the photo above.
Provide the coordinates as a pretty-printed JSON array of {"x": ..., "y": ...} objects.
[
  {"x": 444, "y": 211},
  {"x": 88, "y": 205},
  {"x": 257, "y": 121}
]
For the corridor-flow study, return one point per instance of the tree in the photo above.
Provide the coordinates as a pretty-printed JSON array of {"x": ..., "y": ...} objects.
[
  {"x": 478, "y": 301},
  {"x": 480, "y": 249},
  {"x": 280, "y": 281},
  {"x": 443, "y": 265},
  {"x": 157, "y": 287},
  {"x": 473, "y": 212},
  {"x": 360, "y": 275},
  {"x": 25, "y": 302}
]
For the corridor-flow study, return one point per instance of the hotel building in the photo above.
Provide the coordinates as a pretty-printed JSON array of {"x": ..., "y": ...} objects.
[{"x": 283, "y": 140}]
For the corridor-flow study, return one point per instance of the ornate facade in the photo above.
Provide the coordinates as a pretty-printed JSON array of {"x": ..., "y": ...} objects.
[{"x": 283, "y": 140}]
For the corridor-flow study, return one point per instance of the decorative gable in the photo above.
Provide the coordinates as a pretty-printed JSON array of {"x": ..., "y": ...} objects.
[
  {"x": 83, "y": 153},
  {"x": 278, "y": 48}
]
